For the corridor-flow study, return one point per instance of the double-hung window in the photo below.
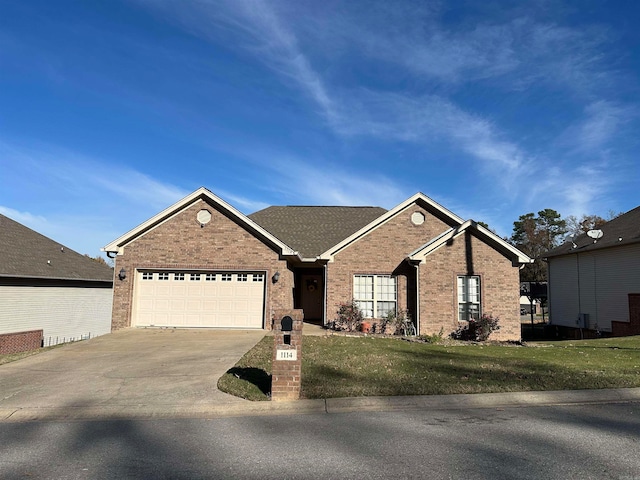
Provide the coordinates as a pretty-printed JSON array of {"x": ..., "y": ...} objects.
[
  {"x": 469, "y": 306},
  {"x": 375, "y": 295}
]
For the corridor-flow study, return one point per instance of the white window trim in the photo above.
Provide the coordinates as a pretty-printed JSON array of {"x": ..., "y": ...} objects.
[
  {"x": 465, "y": 295},
  {"x": 375, "y": 298}
]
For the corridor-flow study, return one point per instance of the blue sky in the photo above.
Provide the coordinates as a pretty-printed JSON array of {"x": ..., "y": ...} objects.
[{"x": 110, "y": 111}]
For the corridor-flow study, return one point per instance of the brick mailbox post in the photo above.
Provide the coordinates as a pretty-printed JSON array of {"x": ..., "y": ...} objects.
[{"x": 287, "y": 355}]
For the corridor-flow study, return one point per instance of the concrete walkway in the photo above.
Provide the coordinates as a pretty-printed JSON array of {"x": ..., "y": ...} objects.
[{"x": 173, "y": 374}]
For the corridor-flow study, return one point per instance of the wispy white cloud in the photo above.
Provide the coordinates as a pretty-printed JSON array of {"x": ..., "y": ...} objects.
[
  {"x": 425, "y": 119},
  {"x": 33, "y": 221},
  {"x": 307, "y": 47},
  {"x": 265, "y": 36},
  {"x": 333, "y": 185},
  {"x": 601, "y": 122},
  {"x": 294, "y": 180},
  {"x": 88, "y": 201},
  {"x": 573, "y": 190}
]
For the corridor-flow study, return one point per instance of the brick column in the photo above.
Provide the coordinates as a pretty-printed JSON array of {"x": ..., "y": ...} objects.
[{"x": 287, "y": 357}]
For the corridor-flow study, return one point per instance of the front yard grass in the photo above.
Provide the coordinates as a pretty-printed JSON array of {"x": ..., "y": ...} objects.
[{"x": 339, "y": 366}]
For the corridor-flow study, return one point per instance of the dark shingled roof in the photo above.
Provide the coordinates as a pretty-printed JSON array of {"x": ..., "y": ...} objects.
[
  {"x": 623, "y": 230},
  {"x": 25, "y": 253},
  {"x": 313, "y": 230}
]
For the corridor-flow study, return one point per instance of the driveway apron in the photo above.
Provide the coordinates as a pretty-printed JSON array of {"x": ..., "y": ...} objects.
[{"x": 151, "y": 368}]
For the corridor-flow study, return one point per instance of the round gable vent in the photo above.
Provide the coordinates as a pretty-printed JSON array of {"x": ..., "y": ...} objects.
[
  {"x": 417, "y": 218},
  {"x": 204, "y": 217}
]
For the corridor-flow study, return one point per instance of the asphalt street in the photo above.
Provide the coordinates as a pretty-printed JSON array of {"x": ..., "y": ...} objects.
[{"x": 552, "y": 442}]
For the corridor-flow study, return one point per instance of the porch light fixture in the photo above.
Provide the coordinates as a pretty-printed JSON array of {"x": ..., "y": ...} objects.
[
  {"x": 276, "y": 277},
  {"x": 122, "y": 274}
]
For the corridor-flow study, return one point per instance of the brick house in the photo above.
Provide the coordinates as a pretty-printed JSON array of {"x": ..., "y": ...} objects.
[{"x": 202, "y": 263}]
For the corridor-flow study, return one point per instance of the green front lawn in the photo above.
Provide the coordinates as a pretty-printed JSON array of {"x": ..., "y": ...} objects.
[{"x": 339, "y": 366}]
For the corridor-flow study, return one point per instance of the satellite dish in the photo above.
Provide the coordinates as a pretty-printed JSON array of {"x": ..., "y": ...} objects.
[{"x": 595, "y": 234}]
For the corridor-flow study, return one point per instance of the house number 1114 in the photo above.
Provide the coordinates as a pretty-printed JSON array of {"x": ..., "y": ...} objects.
[{"x": 286, "y": 354}]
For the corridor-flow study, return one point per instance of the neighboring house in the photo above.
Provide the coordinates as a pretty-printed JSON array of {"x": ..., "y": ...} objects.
[
  {"x": 46, "y": 286},
  {"x": 594, "y": 283},
  {"x": 202, "y": 263},
  {"x": 526, "y": 306}
]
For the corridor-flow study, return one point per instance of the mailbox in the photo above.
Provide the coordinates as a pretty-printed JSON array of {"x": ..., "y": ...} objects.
[{"x": 286, "y": 325}]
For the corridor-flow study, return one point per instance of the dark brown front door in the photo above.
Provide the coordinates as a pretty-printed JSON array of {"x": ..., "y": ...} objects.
[{"x": 311, "y": 291}]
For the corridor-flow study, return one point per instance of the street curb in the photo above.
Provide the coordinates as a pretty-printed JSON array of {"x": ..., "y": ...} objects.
[{"x": 328, "y": 406}]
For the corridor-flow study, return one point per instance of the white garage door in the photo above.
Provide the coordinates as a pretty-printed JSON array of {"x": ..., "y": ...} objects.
[{"x": 199, "y": 299}]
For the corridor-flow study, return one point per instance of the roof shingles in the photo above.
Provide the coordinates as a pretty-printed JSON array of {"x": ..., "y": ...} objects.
[
  {"x": 622, "y": 230},
  {"x": 313, "y": 230},
  {"x": 25, "y": 253}
]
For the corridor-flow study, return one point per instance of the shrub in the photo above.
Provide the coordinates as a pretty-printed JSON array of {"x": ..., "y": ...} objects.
[
  {"x": 349, "y": 317},
  {"x": 477, "y": 330},
  {"x": 433, "y": 338},
  {"x": 398, "y": 321}
]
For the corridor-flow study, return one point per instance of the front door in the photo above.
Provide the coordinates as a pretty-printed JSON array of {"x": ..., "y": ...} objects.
[{"x": 311, "y": 292}]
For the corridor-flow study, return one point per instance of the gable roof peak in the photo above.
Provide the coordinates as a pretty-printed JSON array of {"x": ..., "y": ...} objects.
[
  {"x": 434, "y": 207},
  {"x": 517, "y": 257},
  {"x": 201, "y": 193}
]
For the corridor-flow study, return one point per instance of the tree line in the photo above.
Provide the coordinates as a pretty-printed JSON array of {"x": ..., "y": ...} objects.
[{"x": 536, "y": 234}]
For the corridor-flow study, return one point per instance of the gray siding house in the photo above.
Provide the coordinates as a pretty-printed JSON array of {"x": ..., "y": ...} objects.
[
  {"x": 594, "y": 283},
  {"x": 46, "y": 286}
]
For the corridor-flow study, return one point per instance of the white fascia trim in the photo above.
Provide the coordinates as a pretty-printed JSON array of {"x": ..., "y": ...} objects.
[
  {"x": 522, "y": 257},
  {"x": 418, "y": 197},
  {"x": 419, "y": 253},
  {"x": 429, "y": 247},
  {"x": 117, "y": 245}
]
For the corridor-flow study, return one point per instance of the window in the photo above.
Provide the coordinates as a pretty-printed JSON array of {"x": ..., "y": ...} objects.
[
  {"x": 376, "y": 295},
  {"x": 194, "y": 277},
  {"x": 468, "y": 298},
  {"x": 258, "y": 277},
  {"x": 147, "y": 275},
  {"x": 242, "y": 277},
  {"x": 210, "y": 277},
  {"x": 163, "y": 276},
  {"x": 178, "y": 276},
  {"x": 226, "y": 277}
]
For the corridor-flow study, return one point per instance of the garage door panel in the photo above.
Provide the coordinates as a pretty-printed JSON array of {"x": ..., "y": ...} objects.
[
  {"x": 181, "y": 299},
  {"x": 163, "y": 290}
]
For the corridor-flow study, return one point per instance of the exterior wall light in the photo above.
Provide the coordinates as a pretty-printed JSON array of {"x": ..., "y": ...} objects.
[
  {"x": 276, "y": 277},
  {"x": 122, "y": 274}
]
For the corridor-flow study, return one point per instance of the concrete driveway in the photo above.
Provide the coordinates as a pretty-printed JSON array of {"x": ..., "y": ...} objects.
[{"x": 154, "y": 372}]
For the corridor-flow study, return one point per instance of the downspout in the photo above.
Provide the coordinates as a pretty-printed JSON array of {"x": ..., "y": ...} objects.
[
  {"x": 324, "y": 295},
  {"x": 417, "y": 265}
]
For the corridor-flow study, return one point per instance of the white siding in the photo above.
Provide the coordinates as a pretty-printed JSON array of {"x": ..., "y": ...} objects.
[
  {"x": 587, "y": 283},
  {"x": 618, "y": 274},
  {"x": 563, "y": 291},
  {"x": 606, "y": 278},
  {"x": 63, "y": 313}
]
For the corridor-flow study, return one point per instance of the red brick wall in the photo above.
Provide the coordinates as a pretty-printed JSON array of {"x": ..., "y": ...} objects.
[
  {"x": 181, "y": 243},
  {"x": 20, "y": 341},
  {"x": 499, "y": 287},
  {"x": 382, "y": 252}
]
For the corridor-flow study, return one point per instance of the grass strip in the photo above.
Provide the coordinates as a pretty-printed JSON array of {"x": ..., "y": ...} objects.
[{"x": 338, "y": 366}]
